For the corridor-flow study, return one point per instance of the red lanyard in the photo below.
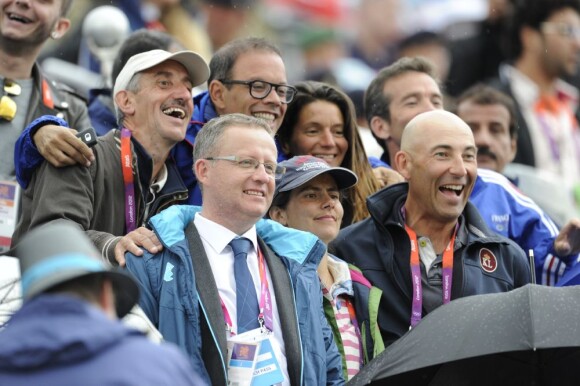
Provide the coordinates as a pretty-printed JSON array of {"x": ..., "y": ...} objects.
[
  {"x": 417, "y": 305},
  {"x": 127, "y": 166},
  {"x": 265, "y": 315},
  {"x": 47, "y": 95}
]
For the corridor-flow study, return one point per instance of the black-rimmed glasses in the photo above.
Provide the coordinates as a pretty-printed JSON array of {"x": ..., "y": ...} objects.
[
  {"x": 7, "y": 105},
  {"x": 271, "y": 168},
  {"x": 260, "y": 89}
]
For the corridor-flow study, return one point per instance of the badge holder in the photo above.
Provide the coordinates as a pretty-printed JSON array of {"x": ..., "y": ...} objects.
[
  {"x": 265, "y": 369},
  {"x": 9, "y": 204}
]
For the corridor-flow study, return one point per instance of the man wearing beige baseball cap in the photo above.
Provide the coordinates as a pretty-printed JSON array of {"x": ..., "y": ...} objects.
[{"x": 132, "y": 178}]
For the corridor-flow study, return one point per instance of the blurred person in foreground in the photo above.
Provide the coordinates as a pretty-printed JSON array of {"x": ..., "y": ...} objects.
[
  {"x": 425, "y": 244},
  {"x": 407, "y": 88},
  {"x": 67, "y": 330},
  {"x": 308, "y": 197}
]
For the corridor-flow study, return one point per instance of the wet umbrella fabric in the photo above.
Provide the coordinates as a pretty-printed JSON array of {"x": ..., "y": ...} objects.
[{"x": 529, "y": 336}]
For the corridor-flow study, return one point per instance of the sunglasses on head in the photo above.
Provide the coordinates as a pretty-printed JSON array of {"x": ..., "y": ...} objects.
[{"x": 7, "y": 105}]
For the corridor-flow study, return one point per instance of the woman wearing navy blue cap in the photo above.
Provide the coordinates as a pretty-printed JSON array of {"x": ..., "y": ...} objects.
[{"x": 308, "y": 197}]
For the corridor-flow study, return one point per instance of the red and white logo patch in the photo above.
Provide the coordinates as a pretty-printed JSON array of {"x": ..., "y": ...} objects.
[{"x": 487, "y": 260}]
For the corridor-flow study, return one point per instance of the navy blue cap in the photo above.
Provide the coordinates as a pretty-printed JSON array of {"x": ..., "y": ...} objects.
[{"x": 303, "y": 168}]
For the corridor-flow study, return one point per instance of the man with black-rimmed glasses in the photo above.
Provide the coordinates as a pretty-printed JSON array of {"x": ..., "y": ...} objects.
[{"x": 247, "y": 76}]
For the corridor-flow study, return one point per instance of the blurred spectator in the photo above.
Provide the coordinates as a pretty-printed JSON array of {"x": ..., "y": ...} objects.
[
  {"x": 491, "y": 115},
  {"x": 27, "y": 93},
  {"x": 407, "y": 88},
  {"x": 227, "y": 20},
  {"x": 478, "y": 51},
  {"x": 163, "y": 15},
  {"x": 111, "y": 200},
  {"x": 321, "y": 122},
  {"x": 545, "y": 46},
  {"x": 321, "y": 48},
  {"x": 425, "y": 243},
  {"x": 67, "y": 330},
  {"x": 433, "y": 47},
  {"x": 307, "y": 197},
  {"x": 378, "y": 30}
]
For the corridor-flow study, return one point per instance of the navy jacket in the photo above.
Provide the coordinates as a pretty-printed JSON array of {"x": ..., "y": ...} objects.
[
  {"x": 61, "y": 340},
  {"x": 380, "y": 247}
]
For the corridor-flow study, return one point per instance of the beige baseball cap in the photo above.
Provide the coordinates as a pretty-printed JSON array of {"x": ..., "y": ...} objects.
[{"x": 193, "y": 63}]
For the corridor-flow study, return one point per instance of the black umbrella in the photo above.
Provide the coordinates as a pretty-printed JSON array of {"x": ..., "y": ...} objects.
[{"x": 529, "y": 336}]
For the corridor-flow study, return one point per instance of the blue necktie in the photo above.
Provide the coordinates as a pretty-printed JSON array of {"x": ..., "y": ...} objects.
[{"x": 246, "y": 298}]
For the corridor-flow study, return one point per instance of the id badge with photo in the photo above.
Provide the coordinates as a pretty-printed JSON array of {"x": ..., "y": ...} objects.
[{"x": 265, "y": 370}]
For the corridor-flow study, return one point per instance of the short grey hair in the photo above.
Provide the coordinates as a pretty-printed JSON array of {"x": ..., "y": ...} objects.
[
  {"x": 208, "y": 140},
  {"x": 134, "y": 86}
]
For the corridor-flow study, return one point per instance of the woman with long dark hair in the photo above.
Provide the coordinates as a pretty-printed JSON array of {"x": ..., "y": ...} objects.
[{"x": 321, "y": 122}]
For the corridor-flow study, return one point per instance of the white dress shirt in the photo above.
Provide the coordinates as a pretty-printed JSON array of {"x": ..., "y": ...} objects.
[{"x": 215, "y": 239}]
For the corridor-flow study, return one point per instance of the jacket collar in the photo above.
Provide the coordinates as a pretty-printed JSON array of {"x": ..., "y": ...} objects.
[{"x": 384, "y": 206}]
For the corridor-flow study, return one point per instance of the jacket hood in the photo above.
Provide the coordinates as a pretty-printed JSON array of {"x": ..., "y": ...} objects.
[
  {"x": 296, "y": 245},
  {"x": 56, "y": 329}
]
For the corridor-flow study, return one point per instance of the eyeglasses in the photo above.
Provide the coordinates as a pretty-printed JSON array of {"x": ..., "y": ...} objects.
[
  {"x": 260, "y": 89},
  {"x": 562, "y": 29},
  {"x": 7, "y": 105},
  {"x": 271, "y": 168}
]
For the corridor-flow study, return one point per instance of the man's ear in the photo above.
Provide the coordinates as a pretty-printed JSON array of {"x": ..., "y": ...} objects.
[
  {"x": 201, "y": 169},
  {"x": 279, "y": 215},
  {"x": 61, "y": 27},
  {"x": 380, "y": 127},
  {"x": 531, "y": 39},
  {"x": 217, "y": 91},
  {"x": 124, "y": 101},
  {"x": 286, "y": 149},
  {"x": 106, "y": 299},
  {"x": 513, "y": 149},
  {"x": 403, "y": 164}
]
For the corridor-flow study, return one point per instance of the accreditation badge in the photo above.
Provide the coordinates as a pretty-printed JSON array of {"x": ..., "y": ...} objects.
[{"x": 254, "y": 346}]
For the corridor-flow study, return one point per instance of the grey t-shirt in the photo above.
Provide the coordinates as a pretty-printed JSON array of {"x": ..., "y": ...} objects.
[{"x": 11, "y": 130}]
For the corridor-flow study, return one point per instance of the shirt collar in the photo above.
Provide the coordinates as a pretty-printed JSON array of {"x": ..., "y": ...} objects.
[
  {"x": 218, "y": 236},
  {"x": 160, "y": 181},
  {"x": 342, "y": 280},
  {"x": 526, "y": 91}
]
